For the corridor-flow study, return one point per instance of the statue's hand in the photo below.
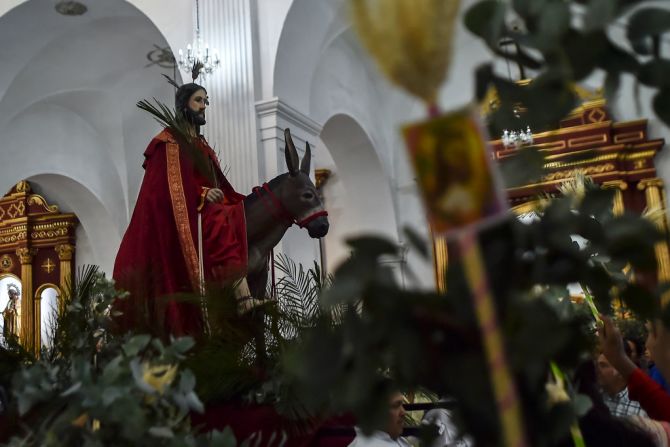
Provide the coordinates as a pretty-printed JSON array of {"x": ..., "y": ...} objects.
[{"x": 214, "y": 195}]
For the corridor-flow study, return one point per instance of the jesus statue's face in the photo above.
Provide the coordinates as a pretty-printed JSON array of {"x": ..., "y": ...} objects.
[{"x": 197, "y": 104}]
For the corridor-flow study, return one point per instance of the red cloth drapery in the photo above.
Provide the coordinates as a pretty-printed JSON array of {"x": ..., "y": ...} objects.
[{"x": 158, "y": 254}]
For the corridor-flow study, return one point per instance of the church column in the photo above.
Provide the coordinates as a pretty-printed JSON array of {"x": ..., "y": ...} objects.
[
  {"x": 274, "y": 116},
  {"x": 231, "y": 121},
  {"x": 28, "y": 326},
  {"x": 619, "y": 186},
  {"x": 65, "y": 254},
  {"x": 652, "y": 191}
]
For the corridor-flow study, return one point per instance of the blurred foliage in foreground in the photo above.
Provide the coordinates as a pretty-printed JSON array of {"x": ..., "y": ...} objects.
[
  {"x": 93, "y": 388},
  {"x": 430, "y": 341}
]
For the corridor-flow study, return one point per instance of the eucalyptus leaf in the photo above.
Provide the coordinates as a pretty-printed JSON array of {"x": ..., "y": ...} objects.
[
  {"x": 71, "y": 390},
  {"x": 183, "y": 344},
  {"x": 136, "y": 344},
  {"x": 161, "y": 432}
]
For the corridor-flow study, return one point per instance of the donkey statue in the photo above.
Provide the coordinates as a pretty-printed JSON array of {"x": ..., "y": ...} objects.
[{"x": 273, "y": 208}]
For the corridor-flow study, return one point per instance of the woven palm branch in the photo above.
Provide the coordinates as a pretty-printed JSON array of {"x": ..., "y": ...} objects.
[{"x": 411, "y": 40}]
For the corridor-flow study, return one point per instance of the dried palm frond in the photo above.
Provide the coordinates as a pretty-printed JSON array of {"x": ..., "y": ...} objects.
[
  {"x": 575, "y": 188},
  {"x": 411, "y": 40},
  {"x": 197, "y": 68},
  {"x": 171, "y": 81}
]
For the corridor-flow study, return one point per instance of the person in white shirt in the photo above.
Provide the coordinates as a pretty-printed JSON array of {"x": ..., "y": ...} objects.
[{"x": 391, "y": 435}]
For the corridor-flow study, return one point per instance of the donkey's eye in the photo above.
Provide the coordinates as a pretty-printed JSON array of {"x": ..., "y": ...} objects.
[{"x": 307, "y": 195}]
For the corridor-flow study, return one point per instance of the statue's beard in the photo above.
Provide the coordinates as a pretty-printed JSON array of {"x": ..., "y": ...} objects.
[{"x": 195, "y": 118}]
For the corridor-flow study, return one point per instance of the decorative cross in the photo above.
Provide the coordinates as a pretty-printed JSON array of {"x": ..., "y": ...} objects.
[{"x": 48, "y": 265}]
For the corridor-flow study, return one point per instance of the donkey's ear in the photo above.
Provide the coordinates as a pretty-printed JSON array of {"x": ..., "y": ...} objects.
[
  {"x": 304, "y": 164},
  {"x": 292, "y": 159}
]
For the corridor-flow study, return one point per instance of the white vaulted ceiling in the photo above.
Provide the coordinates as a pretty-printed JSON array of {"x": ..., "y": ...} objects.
[{"x": 68, "y": 121}]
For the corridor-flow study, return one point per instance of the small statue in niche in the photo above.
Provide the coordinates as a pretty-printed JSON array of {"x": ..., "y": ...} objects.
[{"x": 10, "y": 314}]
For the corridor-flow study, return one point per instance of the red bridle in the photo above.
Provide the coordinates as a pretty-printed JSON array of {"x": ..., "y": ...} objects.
[{"x": 274, "y": 205}]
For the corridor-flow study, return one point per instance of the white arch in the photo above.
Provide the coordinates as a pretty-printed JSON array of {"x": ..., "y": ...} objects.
[
  {"x": 357, "y": 203},
  {"x": 97, "y": 237}
]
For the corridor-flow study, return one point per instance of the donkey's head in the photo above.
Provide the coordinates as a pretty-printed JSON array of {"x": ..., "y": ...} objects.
[{"x": 298, "y": 194}]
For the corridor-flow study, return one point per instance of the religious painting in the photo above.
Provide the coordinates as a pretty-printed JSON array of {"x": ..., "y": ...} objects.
[{"x": 455, "y": 174}]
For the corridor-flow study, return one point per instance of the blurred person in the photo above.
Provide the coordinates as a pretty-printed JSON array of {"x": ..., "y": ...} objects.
[
  {"x": 653, "y": 370},
  {"x": 641, "y": 388},
  {"x": 614, "y": 390},
  {"x": 447, "y": 432},
  {"x": 636, "y": 349},
  {"x": 391, "y": 434},
  {"x": 598, "y": 426}
]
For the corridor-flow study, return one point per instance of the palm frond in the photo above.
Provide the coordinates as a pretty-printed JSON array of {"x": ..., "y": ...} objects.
[
  {"x": 171, "y": 81},
  {"x": 196, "y": 69}
]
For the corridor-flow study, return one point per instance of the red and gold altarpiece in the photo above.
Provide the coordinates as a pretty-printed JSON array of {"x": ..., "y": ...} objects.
[
  {"x": 616, "y": 155},
  {"x": 37, "y": 246}
]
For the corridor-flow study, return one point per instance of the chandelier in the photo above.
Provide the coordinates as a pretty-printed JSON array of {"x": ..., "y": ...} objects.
[
  {"x": 517, "y": 138},
  {"x": 198, "y": 51}
]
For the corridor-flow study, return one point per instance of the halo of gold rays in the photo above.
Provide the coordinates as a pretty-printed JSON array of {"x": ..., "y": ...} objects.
[{"x": 411, "y": 40}]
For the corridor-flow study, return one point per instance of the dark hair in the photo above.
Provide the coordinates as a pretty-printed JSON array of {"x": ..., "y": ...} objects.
[
  {"x": 184, "y": 93},
  {"x": 627, "y": 349}
]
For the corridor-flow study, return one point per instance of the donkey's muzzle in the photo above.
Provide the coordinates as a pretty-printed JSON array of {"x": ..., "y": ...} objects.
[{"x": 318, "y": 227}]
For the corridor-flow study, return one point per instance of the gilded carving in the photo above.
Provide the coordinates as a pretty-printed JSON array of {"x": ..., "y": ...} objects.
[
  {"x": 559, "y": 164},
  {"x": 321, "y": 176},
  {"x": 48, "y": 265},
  {"x": 21, "y": 236},
  {"x": 16, "y": 209},
  {"x": 629, "y": 137},
  {"x": 48, "y": 234},
  {"x": 589, "y": 170},
  {"x": 26, "y": 254},
  {"x": 23, "y": 186},
  {"x": 644, "y": 184},
  {"x": 596, "y": 115},
  {"x": 65, "y": 251},
  {"x": 36, "y": 199},
  {"x": 6, "y": 263},
  {"x": 587, "y": 140}
]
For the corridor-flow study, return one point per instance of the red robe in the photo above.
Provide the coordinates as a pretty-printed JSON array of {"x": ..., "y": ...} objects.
[{"x": 158, "y": 256}]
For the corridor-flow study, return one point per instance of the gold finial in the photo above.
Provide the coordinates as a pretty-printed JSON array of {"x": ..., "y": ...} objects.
[{"x": 23, "y": 186}]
